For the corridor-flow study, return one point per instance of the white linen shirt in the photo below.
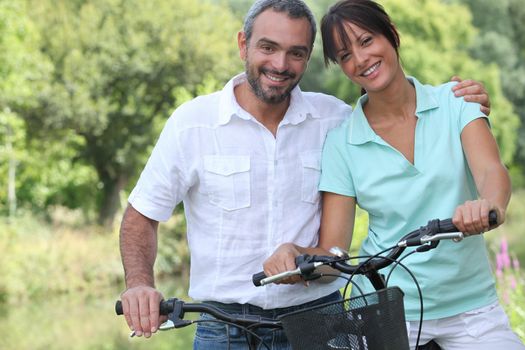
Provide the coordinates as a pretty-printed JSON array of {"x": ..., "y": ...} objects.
[{"x": 245, "y": 192}]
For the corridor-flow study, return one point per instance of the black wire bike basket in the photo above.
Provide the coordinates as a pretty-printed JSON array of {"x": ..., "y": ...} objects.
[{"x": 374, "y": 321}]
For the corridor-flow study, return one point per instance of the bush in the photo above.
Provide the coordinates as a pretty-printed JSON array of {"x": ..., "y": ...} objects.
[{"x": 40, "y": 259}]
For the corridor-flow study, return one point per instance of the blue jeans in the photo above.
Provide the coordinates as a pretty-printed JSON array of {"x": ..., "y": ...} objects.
[{"x": 219, "y": 336}]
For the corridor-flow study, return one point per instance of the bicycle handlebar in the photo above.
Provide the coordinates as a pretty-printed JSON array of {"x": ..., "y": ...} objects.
[
  {"x": 165, "y": 307},
  {"x": 176, "y": 308},
  {"x": 435, "y": 231}
]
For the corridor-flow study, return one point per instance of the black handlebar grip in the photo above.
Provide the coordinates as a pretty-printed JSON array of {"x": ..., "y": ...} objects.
[
  {"x": 493, "y": 218},
  {"x": 165, "y": 307},
  {"x": 118, "y": 308},
  {"x": 446, "y": 225},
  {"x": 257, "y": 278}
]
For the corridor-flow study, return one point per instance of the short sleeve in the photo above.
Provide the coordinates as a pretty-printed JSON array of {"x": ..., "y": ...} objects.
[
  {"x": 469, "y": 111},
  {"x": 162, "y": 184},
  {"x": 336, "y": 176}
]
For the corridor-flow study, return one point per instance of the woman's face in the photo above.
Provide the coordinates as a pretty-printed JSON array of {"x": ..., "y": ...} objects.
[{"x": 369, "y": 59}]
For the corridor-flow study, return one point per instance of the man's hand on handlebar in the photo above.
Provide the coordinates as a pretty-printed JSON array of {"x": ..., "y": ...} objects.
[
  {"x": 283, "y": 259},
  {"x": 141, "y": 310},
  {"x": 472, "y": 217}
]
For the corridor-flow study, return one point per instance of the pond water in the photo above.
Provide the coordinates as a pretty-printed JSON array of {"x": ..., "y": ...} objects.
[{"x": 81, "y": 323}]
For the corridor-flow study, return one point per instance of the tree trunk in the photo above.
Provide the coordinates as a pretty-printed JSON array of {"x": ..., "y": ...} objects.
[{"x": 110, "y": 205}]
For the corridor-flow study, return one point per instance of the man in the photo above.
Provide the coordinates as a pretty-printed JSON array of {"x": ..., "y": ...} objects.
[{"x": 245, "y": 161}]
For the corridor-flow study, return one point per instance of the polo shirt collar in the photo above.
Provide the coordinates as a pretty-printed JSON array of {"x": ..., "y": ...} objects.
[
  {"x": 425, "y": 97},
  {"x": 300, "y": 108},
  {"x": 360, "y": 132}
]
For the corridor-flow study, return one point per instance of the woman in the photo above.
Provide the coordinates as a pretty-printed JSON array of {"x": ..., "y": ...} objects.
[{"x": 410, "y": 153}]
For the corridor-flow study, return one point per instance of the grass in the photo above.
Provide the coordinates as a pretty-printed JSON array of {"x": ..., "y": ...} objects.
[
  {"x": 60, "y": 280},
  {"x": 40, "y": 260}
]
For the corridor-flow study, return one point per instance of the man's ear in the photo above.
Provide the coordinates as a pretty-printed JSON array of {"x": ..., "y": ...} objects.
[
  {"x": 243, "y": 45},
  {"x": 310, "y": 55}
]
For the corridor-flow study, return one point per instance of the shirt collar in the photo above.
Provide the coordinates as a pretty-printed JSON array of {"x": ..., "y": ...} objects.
[
  {"x": 300, "y": 108},
  {"x": 360, "y": 132},
  {"x": 228, "y": 106}
]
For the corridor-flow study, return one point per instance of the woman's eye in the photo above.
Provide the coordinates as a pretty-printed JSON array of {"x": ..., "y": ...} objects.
[
  {"x": 344, "y": 57},
  {"x": 367, "y": 41}
]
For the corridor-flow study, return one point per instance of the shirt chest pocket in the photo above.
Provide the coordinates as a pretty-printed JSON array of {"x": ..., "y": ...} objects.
[
  {"x": 227, "y": 181},
  {"x": 311, "y": 171}
]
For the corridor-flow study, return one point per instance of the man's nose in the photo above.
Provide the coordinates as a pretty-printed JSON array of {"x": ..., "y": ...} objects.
[{"x": 280, "y": 61}]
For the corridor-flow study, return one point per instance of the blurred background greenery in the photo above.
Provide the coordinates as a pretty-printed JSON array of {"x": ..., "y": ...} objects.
[{"x": 85, "y": 88}]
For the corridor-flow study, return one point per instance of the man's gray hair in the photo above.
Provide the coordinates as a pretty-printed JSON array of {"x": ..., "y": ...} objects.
[{"x": 293, "y": 8}]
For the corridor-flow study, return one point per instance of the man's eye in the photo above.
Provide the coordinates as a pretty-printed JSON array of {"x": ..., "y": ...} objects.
[{"x": 299, "y": 54}]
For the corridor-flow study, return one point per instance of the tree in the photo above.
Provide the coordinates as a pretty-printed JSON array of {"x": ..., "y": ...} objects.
[
  {"x": 501, "y": 41},
  {"x": 22, "y": 70},
  {"x": 120, "y": 68}
]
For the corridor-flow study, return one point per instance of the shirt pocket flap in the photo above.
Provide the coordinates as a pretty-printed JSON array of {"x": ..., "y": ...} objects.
[
  {"x": 311, "y": 160},
  {"x": 226, "y": 165}
]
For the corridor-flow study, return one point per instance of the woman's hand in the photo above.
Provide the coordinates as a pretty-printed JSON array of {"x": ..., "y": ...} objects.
[{"x": 472, "y": 217}]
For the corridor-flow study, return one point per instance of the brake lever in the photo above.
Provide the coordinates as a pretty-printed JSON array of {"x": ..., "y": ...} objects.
[
  {"x": 455, "y": 236},
  {"x": 427, "y": 247}
]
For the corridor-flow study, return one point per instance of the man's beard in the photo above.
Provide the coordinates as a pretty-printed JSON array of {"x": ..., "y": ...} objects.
[{"x": 268, "y": 96}]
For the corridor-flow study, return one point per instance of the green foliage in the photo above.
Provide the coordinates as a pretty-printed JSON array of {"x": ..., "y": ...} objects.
[
  {"x": 435, "y": 38},
  {"x": 510, "y": 281},
  {"x": 62, "y": 255},
  {"x": 360, "y": 231},
  {"x": 513, "y": 228},
  {"x": 57, "y": 260},
  {"x": 64, "y": 277},
  {"x": 506, "y": 246},
  {"x": 119, "y": 68},
  {"x": 500, "y": 41},
  {"x": 23, "y": 71},
  {"x": 22, "y": 68},
  {"x": 238, "y": 7},
  {"x": 173, "y": 253},
  {"x": 74, "y": 322}
]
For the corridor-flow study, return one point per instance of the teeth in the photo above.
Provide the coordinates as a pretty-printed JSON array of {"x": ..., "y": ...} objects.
[
  {"x": 371, "y": 69},
  {"x": 272, "y": 78}
]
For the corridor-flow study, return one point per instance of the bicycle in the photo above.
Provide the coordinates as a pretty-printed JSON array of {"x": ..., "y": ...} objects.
[{"x": 373, "y": 321}]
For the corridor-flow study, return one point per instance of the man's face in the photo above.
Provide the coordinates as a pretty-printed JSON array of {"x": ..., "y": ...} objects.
[{"x": 276, "y": 55}]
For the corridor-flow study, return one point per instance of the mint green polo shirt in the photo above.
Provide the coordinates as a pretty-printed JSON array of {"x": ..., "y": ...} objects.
[{"x": 400, "y": 196}]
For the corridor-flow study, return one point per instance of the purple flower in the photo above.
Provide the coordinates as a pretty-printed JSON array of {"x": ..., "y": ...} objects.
[
  {"x": 499, "y": 263},
  {"x": 504, "y": 254},
  {"x": 516, "y": 263},
  {"x": 504, "y": 245},
  {"x": 513, "y": 283}
]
